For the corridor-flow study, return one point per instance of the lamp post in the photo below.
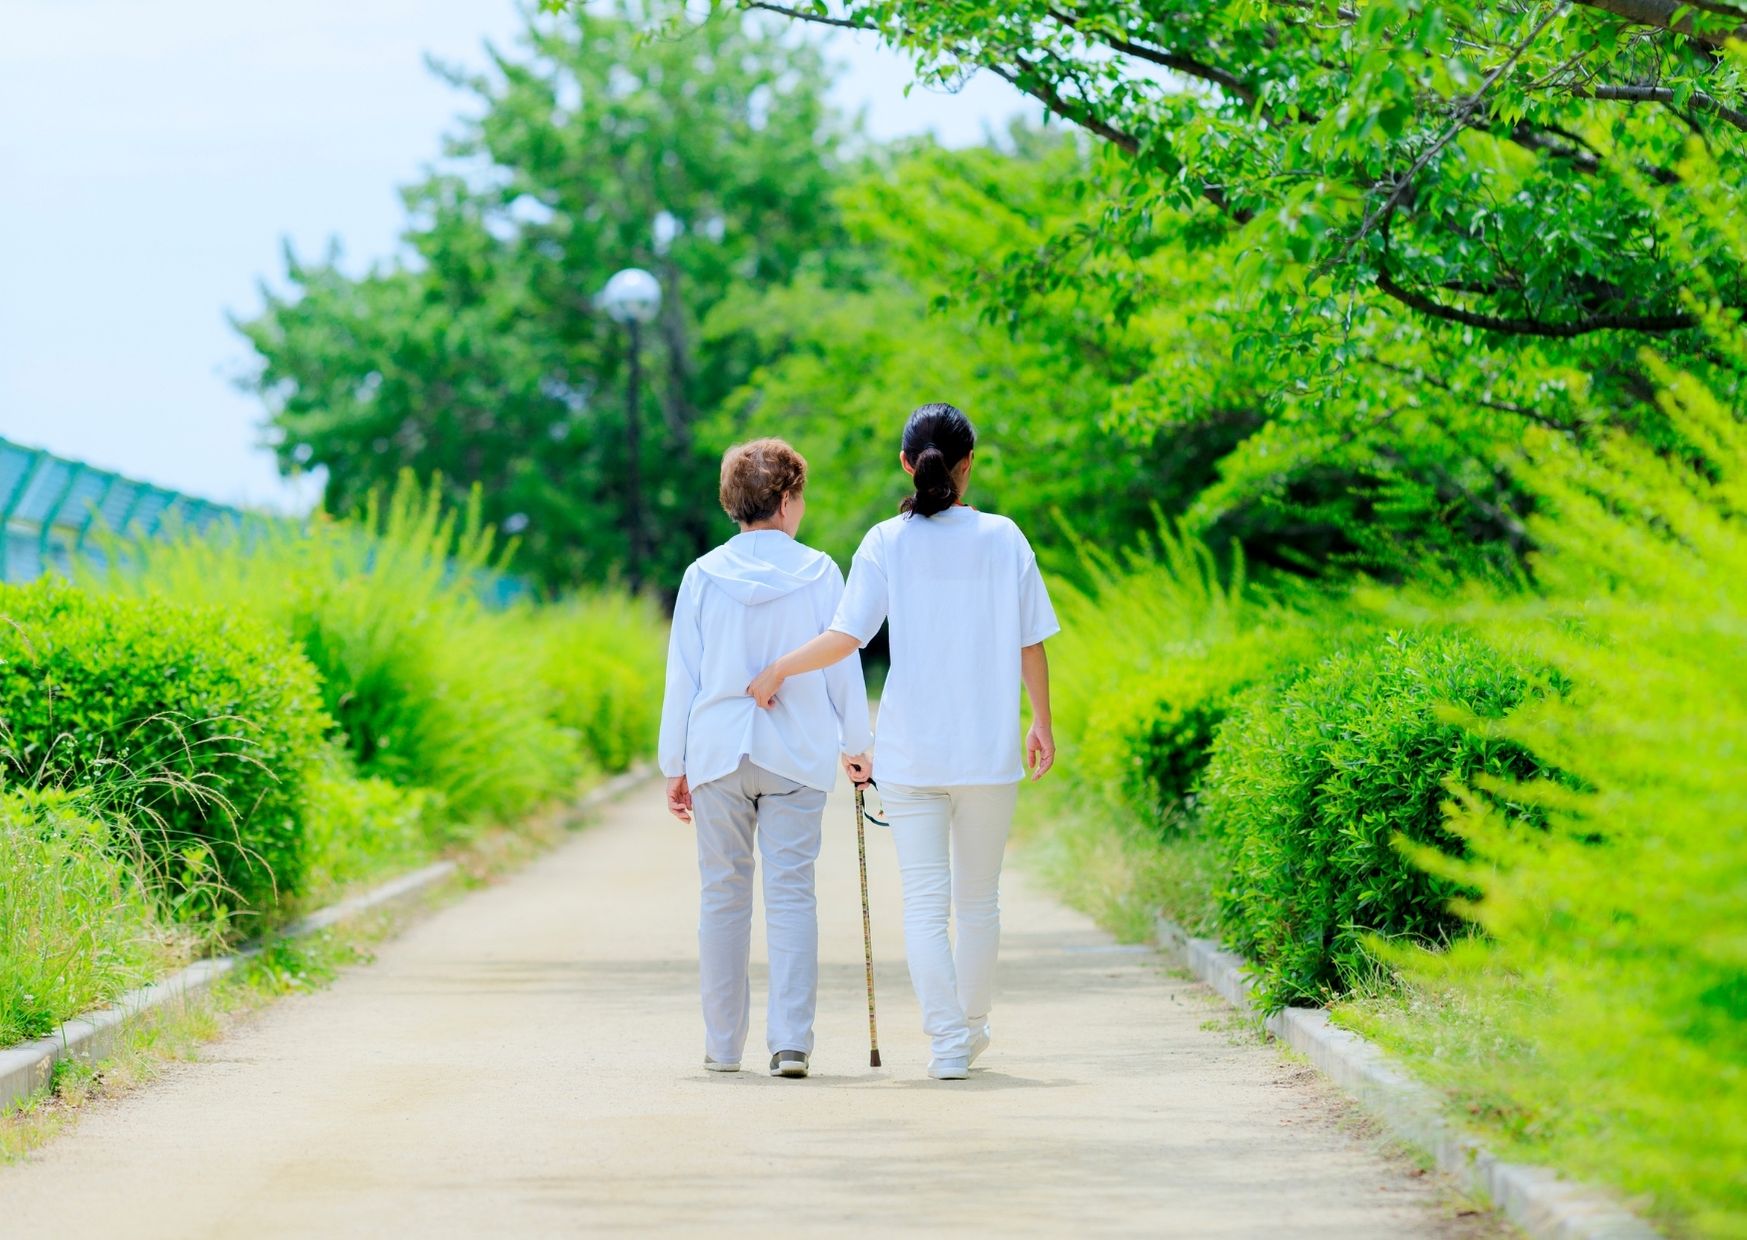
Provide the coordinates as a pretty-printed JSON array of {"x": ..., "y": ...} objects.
[{"x": 633, "y": 297}]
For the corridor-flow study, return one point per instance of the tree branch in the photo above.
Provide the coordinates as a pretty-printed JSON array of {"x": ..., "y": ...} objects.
[
  {"x": 1051, "y": 98},
  {"x": 1543, "y": 141},
  {"x": 1044, "y": 93},
  {"x": 1413, "y": 300},
  {"x": 1675, "y": 15},
  {"x": 1522, "y": 411},
  {"x": 1346, "y": 15},
  {"x": 818, "y": 19},
  {"x": 1187, "y": 65},
  {"x": 1662, "y": 94},
  {"x": 1037, "y": 87}
]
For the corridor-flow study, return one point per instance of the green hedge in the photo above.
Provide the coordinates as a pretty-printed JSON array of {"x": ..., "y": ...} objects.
[
  {"x": 1314, "y": 787},
  {"x": 197, "y": 726},
  {"x": 430, "y": 687},
  {"x": 256, "y": 722},
  {"x": 1149, "y": 741}
]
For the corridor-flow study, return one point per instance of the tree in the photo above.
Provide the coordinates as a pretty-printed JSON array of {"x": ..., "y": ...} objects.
[
  {"x": 1421, "y": 228},
  {"x": 705, "y": 155},
  {"x": 845, "y": 362},
  {"x": 1474, "y": 164}
]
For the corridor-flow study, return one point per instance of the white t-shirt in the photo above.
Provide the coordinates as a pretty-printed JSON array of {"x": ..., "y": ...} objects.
[{"x": 963, "y": 594}]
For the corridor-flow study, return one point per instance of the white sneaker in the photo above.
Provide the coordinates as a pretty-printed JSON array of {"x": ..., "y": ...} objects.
[
  {"x": 710, "y": 1065},
  {"x": 979, "y": 1044},
  {"x": 954, "y": 1069}
]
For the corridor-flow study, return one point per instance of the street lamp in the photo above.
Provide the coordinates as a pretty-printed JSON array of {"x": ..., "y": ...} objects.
[{"x": 633, "y": 297}]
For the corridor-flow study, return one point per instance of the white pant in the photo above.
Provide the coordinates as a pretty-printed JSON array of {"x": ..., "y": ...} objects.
[
  {"x": 950, "y": 842},
  {"x": 785, "y": 817}
]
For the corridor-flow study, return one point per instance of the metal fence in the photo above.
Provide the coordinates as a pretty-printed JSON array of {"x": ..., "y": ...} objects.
[{"x": 52, "y": 508}]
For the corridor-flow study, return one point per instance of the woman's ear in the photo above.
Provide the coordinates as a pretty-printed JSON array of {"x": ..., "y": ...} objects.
[{"x": 905, "y": 462}]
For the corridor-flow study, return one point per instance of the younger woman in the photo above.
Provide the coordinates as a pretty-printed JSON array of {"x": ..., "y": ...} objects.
[
  {"x": 969, "y": 615},
  {"x": 743, "y": 774}
]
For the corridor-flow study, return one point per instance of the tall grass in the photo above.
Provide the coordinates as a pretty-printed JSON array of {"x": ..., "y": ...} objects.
[
  {"x": 1113, "y": 868},
  {"x": 1602, "y": 1023},
  {"x": 327, "y": 701},
  {"x": 78, "y": 925},
  {"x": 601, "y": 662},
  {"x": 430, "y": 688},
  {"x": 1141, "y": 609},
  {"x": 1145, "y": 619}
]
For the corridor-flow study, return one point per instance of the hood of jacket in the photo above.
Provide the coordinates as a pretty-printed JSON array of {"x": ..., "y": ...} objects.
[{"x": 761, "y": 566}]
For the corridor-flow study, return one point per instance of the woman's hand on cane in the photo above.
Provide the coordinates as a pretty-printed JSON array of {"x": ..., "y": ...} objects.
[{"x": 859, "y": 768}]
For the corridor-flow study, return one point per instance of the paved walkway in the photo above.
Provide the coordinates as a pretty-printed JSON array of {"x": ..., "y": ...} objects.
[{"x": 527, "y": 1063}]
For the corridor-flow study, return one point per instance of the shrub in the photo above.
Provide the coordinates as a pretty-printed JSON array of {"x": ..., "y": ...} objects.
[
  {"x": 1311, "y": 785},
  {"x": 360, "y": 827},
  {"x": 77, "y": 926},
  {"x": 601, "y": 669},
  {"x": 1614, "y": 961},
  {"x": 196, "y": 725},
  {"x": 1164, "y": 596},
  {"x": 1149, "y": 742},
  {"x": 430, "y": 687}
]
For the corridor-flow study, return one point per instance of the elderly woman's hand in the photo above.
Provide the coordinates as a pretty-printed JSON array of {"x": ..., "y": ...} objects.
[
  {"x": 679, "y": 798},
  {"x": 859, "y": 768}
]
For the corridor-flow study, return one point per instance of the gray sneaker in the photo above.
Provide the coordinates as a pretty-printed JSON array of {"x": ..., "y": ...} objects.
[{"x": 789, "y": 1063}]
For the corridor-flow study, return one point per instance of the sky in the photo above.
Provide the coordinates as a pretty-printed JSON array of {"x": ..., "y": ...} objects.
[{"x": 155, "y": 159}]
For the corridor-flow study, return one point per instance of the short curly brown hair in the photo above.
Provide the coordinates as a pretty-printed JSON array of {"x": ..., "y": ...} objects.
[{"x": 756, "y": 476}]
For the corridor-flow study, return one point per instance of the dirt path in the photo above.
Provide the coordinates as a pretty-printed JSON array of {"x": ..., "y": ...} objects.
[{"x": 527, "y": 1063}]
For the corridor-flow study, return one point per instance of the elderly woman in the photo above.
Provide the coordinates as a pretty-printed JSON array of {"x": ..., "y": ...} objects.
[{"x": 742, "y": 775}]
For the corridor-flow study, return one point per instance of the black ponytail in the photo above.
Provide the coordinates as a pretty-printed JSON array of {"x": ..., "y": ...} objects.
[{"x": 936, "y": 439}]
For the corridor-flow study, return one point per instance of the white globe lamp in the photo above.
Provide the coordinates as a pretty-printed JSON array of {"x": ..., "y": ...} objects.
[{"x": 631, "y": 296}]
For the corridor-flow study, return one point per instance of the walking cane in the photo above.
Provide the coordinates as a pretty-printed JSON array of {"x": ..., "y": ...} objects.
[{"x": 861, "y": 819}]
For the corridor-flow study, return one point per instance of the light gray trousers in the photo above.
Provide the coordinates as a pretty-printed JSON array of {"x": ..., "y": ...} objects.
[{"x": 783, "y": 817}]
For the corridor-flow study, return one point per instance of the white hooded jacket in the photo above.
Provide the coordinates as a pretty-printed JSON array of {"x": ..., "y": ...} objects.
[{"x": 740, "y": 608}]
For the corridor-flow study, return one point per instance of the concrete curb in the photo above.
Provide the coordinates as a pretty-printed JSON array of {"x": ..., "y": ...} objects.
[
  {"x": 26, "y": 1069},
  {"x": 1536, "y": 1199},
  {"x": 616, "y": 787}
]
